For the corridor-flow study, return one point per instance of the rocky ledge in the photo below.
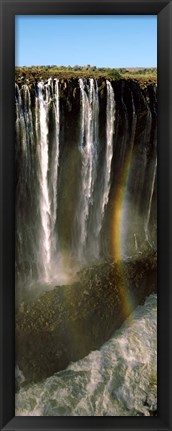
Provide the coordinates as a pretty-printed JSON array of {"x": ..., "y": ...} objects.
[
  {"x": 28, "y": 75},
  {"x": 66, "y": 323}
]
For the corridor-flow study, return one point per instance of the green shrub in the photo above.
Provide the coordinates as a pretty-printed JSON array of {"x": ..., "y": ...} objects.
[{"x": 114, "y": 74}]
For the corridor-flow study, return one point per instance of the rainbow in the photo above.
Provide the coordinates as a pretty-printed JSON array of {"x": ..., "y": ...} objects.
[{"x": 117, "y": 239}]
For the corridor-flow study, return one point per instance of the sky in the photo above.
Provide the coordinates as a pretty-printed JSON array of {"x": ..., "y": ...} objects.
[{"x": 101, "y": 41}]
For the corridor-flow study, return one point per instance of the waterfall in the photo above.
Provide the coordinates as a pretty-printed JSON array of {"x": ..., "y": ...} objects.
[
  {"x": 105, "y": 189},
  {"x": 88, "y": 148},
  {"x": 123, "y": 146},
  {"x": 110, "y": 113},
  {"x": 101, "y": 136},
  {"x": 56, "y": 154},
  {"x": 20, "y": 121},
  {"x": 45, "y": 204},
  {"x": 152, "y": 177},
  {"x": 127, "y": 209},
  {"x": 150, "y": 202},
  {"x": 133, "y": 132},
  {"x": 25, "y": 180},
  {"x": 24, "y": 122},
  {"x": 134, "y": 123},
  {"x": 48, "y": 195},
  {"x": 139, "y": 181},
  {"x": 54, "y": 168}
]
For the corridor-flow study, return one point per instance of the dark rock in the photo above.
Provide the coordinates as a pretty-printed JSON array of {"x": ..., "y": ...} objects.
[{"x": 66, "y": 323}]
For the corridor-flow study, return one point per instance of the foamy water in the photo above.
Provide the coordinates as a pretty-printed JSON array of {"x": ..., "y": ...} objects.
[{"x": 120, "y": 379}]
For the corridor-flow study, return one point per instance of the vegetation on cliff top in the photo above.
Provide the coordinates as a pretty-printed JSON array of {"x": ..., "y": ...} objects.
[{"x": 142, "y": 75}]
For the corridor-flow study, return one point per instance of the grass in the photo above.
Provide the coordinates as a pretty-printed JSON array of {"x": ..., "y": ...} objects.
[{"x": 143, "y": 75}]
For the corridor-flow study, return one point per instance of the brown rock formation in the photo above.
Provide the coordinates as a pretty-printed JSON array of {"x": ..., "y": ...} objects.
[{"x": 68, "y": 322}]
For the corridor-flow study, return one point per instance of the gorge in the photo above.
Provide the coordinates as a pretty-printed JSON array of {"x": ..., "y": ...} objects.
[{"x": 86, "y": 214}]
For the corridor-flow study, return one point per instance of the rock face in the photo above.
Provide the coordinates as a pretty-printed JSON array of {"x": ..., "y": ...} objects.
[
  {"x": 132, "y": 174},
  {"x": 68, "y": 322}
]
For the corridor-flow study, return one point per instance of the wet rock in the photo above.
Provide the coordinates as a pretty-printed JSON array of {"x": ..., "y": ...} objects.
[{"x": 65, "y": 324}]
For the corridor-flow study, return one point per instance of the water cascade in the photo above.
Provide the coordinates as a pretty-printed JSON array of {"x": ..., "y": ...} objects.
[
  {"x": 127, "y": 212},
  {"x": 45, "y": 206},
  {"x": 88, "y": 147},
  {"x": 78, "y": 143},
  {"x": 48, "y": 189},
  {"x": 104, "y": 190},
  {"x": 86, "y": 217}
]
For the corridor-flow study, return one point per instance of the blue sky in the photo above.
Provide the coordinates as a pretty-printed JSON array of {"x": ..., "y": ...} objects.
[{"x": 101, "y": 41}]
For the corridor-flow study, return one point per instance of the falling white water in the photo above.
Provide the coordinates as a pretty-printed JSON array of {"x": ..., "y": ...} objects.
[
  {"x": 150, "y": 202},
  {"x": 25, "y": 139},
  {"x": 24, "y": 124},
  {"x": 146, "y": 141},
  {"x": 29, "y": 127},
  {"x": 56, "y": 158},
  {"x": 125, "y": 136},
  {"x": 55, "y": 162},
  {"x": 154, "y": 170},
  {"x": 110, "y": 121},
  {"x": 24, "y": 128},
  {"x": 88, "y": 149},
  {"x": 134, "y": 123},
  {"x": 110, "y": 117},
  {"x": 127, "y": 207},
  {"x": 48, "y": 189},
  {"x": 20, "y": 121},
  {"x": 41, "y": 246},
  {"x": 17, "y": 100},
  {"x": 45, "y": 205},
  {"x": 104, "y": 182}
]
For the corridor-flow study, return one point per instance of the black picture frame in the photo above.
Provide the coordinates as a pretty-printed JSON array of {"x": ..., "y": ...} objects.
[{"x": 163, "y": 10}]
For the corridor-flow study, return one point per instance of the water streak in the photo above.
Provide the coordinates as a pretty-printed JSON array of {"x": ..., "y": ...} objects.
[
  {"x": 150, "y": 202},
  {"x": 88, "y": 149},
  {"x": 55, "y": 165},
  {"x": 45, "y": 205},
  {"x": 48, "y": 189},
  {"x": 127, "y": 210},
  {"x": 104, "y": 196}
]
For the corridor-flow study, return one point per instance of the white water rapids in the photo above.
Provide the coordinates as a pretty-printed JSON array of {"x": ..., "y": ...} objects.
[{"x": 120, "y": 379}]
